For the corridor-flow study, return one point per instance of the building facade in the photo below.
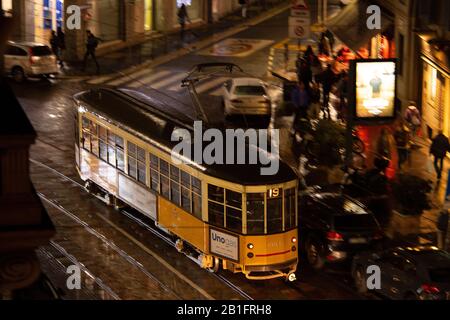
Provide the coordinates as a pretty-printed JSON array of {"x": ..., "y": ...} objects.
[
  {"x": 433, "y": 35},
  {"x": 117, "y": 22}
]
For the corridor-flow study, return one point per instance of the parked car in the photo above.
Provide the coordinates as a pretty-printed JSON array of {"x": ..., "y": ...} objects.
[
  {"x": 421, "y": 272},
  {"x": 334, "y": 227},
  {"x": 246, "y": 96},
  {"x": 29, "y": 59}
]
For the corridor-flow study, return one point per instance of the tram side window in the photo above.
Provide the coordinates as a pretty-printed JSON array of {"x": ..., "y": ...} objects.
[
  {"x": 196, "y": 197},
  {"x": 112, "y": 149},
  {"x": 289, "y": 209},
  {"x": 255, "y": 213},
  {"x": 102, "y": 143},
  {"x": 175, "y": 185},
  {"x": 216, "y": 205},
  {"x": 86, "y": 126},
  {"x": 120, "y": 154},
  {"x": 136, "y": 162},
  {"x": 275, "y": 210},
  {"x": 154, "y": 172},
  {"x": 132, "y": 162},
  {"x": 94, "y": 138},
  {"x": 186, "y": 191},
  {"x": 233, "y": 210},
  {"x": 164, "y": 178}
]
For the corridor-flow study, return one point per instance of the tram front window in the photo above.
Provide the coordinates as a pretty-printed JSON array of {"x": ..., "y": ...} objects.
[
  {"x": 274, "y": 215},
  {"x": 255, "y": 213}
]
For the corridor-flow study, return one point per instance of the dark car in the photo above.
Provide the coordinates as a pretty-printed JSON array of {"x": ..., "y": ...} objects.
[
  {"x": 334, "y": 227},
  {"x": 406, "y": 273}
]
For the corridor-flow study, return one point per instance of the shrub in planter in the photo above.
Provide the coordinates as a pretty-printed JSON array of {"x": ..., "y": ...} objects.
[
  {"x": 329, "y": 138},
  {"x": 409, "y": 199},
  {"x": 410, "y": 194}
]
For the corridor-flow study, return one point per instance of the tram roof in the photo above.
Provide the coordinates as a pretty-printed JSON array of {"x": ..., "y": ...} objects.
[{"x": 151, "y": 119}]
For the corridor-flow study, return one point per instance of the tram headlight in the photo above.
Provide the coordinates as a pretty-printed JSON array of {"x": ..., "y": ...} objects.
[
  {"x": 294, "y": 248},
  {"x": 250, "y": 255},
  {"x": 294, "y": 240},
  {"x": 292, "y": 277},
  {"x": 250, "y": 246}
]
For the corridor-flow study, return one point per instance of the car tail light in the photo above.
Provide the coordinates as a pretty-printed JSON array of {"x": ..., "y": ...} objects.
[
  {"x": 430, "y": 289},
  {"x": 236, "y": 101},
  {"x": 334, "y": 236}
]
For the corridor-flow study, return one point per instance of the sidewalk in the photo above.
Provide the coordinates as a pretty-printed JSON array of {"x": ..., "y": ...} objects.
[
  {"x": 418, "y": 165},
  {"x": 159, "y": 44}
]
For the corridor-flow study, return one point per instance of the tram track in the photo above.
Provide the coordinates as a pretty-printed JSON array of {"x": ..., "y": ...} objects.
[
  {"x": 73, "y": 261},
  {"x": 155, "y": 232},
  {"x": 101, "y": 237}
]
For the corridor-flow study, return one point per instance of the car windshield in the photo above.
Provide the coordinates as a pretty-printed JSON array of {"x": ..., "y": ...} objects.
[
  {"x": 440, "y": 275},
  {"x": 249, "y": 91},
  {"x": 41, "y": 51},
  {"x": 354, "y": 221}
]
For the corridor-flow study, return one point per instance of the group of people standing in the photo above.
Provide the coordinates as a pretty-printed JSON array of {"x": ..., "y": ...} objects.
[
  {"x": 308, "y": 91},
  {"x": 58, "y": 44}
]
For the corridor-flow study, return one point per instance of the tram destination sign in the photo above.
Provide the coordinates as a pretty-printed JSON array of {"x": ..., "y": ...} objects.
[{"x": 224, "y": 244}]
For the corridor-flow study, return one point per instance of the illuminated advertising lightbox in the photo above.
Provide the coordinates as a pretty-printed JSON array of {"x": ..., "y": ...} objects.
[{"x": 375, "y": 89}]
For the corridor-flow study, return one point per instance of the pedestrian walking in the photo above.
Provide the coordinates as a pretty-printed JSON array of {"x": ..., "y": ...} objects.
[
  {"x": 331, "y": 40},
  {"x": 61, "y": 45},
  {"x": 439, "y": 148},
  {"x": 244, "y": 7},
  {"x": 327, "y": 78},
  {"x": 300, "y": 99},
  {"x": 442, "y": 228},
  {"x": 305, "y": 75},
  {"x": 324, "y": 46},
  {"x": 402, "y": 141},
  {"x": 343, "y": 95},
  {"x": 91, "y": 45},
  {"x": 182, "y": 17},
  {"x": 412, "y": 117}
]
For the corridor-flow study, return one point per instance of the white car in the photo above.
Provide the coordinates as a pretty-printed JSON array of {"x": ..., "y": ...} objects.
[
  {"x": 29, "y": 59},
  {"x": 246, "y": 96}
]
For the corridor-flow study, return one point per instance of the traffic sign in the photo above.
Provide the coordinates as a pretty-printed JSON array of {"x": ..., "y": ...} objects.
[{"x": 299, "y": 28}]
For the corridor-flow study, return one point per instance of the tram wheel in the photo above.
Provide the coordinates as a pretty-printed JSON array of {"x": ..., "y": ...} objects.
[{"x": 216, "y": 265}]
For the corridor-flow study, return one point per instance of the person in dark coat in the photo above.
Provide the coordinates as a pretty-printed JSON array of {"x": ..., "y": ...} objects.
[
  {"x": 91, "y": 45},
  {"x": 305, "y": 75},
  {"x": 182, "y": 17},
  {"x": 61, "y": 44},
  {"x": 327, "y": 79},
  {"x": 54, "y": 44},
  {"x": 300, "y": 99},
  {"x": 439, "y": 148}
]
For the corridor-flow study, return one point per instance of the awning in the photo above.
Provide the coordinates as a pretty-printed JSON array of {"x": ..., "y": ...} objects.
[{"x": 350, "y": 25}]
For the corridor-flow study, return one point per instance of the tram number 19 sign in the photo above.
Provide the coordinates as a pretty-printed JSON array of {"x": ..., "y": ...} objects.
[{"x": 299, "y": 28}]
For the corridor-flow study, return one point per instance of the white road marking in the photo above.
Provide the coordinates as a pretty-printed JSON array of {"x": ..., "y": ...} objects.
[
  {"x": 148, "y": 79},
  {"x": 172, "y": 79},
  {"x": 211, "y": 84},
  {"x": 129, "y": 77}
]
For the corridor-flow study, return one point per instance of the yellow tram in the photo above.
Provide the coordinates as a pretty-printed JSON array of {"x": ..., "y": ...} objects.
[{"x": 223, "y": 215}]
